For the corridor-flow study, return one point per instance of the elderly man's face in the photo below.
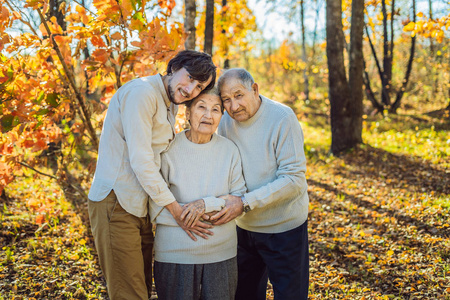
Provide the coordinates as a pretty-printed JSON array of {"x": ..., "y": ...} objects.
[{"x": 240, "y": 102}]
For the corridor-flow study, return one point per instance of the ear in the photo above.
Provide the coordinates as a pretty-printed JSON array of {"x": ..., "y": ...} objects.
[{"x": 255, "y": 89}]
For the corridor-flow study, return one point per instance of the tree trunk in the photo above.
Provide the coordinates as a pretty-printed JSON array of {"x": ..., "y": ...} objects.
[
  {"x": 356, "y": 71},
  {"x": 305, "y": 60},
  {"x": 387, "y": 60},
  {"x": 55, "y": 10},
  {"x": 86, "y": 56},
  {"x": 434, "y": 70},
  {"x": 209, "y": 27},
  {"x": 189, "y": 23},
  {"x": 405, "y": 81},
  {"x": 430, "y": 10},
  {"x": 316, "y": 21},
  {"x": 226, "y": 64},
  {"x": 339, "y": 92}
]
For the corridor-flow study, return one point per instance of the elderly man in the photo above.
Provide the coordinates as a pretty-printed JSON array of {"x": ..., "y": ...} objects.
[
  {"x": 138, "y": 126},
  {"x": 272, "y": 234}
]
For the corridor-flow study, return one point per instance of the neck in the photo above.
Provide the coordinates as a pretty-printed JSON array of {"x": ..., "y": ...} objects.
[
  {"x": 198, "y": 138},
  {"x": 165, "y": 80},
  {"x": 259, "y": 106}
]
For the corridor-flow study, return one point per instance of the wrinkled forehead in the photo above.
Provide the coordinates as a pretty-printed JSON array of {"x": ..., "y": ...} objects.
[
  {"x": 231, "y": 85},
  {"x": 208, "y": 98}
]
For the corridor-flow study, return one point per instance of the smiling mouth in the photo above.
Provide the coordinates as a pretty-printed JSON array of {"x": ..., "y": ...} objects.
[
  {"x": 206, "y": 123},
  {"x": 184, "y": 94}
]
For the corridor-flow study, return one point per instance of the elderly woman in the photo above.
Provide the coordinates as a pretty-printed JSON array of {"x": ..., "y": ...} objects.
[{"x": 198, "y": 166}]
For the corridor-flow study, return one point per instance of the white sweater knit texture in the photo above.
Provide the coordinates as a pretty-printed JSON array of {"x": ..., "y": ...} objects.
[
  {"x": 274, "y": 165},
  {"x": 195, "y": 171}
]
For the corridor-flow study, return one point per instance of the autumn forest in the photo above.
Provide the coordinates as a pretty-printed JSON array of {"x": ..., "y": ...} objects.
[{"x": 368, "y": 80}]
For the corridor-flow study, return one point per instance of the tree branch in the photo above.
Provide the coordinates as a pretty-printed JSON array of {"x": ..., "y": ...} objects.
[
  {"x": 369, "y": 93},
  {"x": 75, "y": 187},
  {"x": 84, "y": 6},
  {"x": 400, "y": 93},
  {"x": 380, "y": 71},
  {"x": 71, "y": 82},
  {"x": 37, "y": 171},
  {"x": 23, "y": 21}
]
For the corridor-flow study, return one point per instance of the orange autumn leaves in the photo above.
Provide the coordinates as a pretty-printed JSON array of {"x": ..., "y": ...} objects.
[{"x": 103, "y": 47}]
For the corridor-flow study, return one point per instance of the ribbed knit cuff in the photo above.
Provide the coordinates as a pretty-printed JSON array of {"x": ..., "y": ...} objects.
[{"x": 213, "y": 204}]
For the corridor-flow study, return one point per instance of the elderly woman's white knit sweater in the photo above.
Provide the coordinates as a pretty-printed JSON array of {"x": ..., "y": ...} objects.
[{"x": 196, "y": 171}]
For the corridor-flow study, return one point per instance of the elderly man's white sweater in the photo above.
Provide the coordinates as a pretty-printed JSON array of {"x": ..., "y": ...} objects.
[{"x": 274, "y": 165}]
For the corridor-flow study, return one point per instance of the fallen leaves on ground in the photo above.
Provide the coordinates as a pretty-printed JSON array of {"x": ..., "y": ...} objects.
[{"x": 378, "y": 228}]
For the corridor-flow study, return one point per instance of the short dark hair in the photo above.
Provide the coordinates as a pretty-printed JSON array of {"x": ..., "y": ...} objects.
[{"x": 198, "y": 64}]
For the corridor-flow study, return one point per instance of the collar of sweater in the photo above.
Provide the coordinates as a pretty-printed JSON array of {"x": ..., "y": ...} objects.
[
  {"x": 195, "y": 145},
  {"x": 163, "y": 91}
]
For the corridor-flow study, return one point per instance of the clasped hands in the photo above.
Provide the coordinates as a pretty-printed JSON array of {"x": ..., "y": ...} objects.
[{"x": 194, "y": 219}]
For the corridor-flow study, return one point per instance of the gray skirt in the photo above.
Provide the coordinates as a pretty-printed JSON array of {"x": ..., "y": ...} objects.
[{"x": 214, "y": 281}]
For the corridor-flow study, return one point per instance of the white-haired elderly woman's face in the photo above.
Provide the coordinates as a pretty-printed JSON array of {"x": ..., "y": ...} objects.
[{"x": 205, "y": 114}]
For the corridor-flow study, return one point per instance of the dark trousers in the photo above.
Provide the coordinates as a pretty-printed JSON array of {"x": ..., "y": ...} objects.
[
  {"x": 281, "y": 257},
  {"x": 214, "y": 281}
]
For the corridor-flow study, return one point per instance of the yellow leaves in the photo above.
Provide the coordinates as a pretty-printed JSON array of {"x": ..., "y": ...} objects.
[
  {"x": 53, "y": 26},
  {"x": 64, "y": 46},
  {"x": 428, "y": 28},
  {"x": 74, "y": 257},
  {"x": 81, "y": 12},
  {"x": 390, "y": 253},
  {"x": 409, "y": 27}
]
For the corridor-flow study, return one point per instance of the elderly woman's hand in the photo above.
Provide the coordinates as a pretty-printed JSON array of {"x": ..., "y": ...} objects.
[{"x": 192, "y": 212}]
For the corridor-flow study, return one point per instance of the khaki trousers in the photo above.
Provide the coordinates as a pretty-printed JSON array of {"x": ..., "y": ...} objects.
[{"x": 124, "y": 245}]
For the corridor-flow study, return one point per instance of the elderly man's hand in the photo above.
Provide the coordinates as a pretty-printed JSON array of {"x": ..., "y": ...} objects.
[{"x": 233, "y": 208}]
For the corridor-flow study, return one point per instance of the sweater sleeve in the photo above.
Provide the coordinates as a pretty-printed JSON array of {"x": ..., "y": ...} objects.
[
  {"x": 290, "y": 176},
  {"x": 213, "y": 204},
  {"x": 237, "y": 182},
  {"x": 137, "y": 120}
]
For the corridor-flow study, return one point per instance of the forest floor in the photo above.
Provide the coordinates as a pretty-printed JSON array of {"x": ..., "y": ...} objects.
[{"x": 378, "y": 222}]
